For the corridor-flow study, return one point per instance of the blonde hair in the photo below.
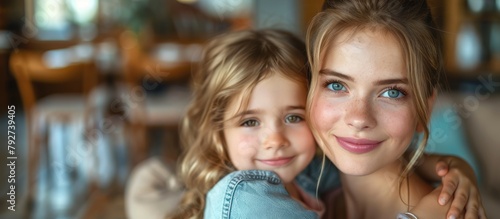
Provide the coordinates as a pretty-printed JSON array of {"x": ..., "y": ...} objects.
[
  {"x": 410, "y": 22},
  {"x": 232, "y": 64}
]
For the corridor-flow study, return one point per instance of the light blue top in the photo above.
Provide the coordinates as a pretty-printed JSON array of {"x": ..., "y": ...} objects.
[{"x": 261, "y": 193}]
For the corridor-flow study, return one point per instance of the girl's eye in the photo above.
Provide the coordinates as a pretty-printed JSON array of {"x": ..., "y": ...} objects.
[
  {"x": 250, "y": 123},
  {"x": 293, "y": 119},
  {"x": 335, "y": 86},
  {"x": 393, "y": 93}
]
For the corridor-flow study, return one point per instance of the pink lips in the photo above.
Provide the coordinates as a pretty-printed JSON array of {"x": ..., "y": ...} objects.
[
  {"x": 358, "y": 146},
  {"x": 277, "y": 161}
]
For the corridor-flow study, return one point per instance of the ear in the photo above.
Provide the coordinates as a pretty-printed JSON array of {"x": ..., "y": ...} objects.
[{"x": 430, "y": 104}]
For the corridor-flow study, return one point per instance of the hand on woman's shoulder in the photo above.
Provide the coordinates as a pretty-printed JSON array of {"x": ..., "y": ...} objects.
[{"x": 428, "y": 207}]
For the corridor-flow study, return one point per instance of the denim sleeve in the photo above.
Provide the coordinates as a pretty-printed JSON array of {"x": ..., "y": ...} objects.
[
  {"x": 308, "y": 178},
  {"x": 253, "y": 194}
]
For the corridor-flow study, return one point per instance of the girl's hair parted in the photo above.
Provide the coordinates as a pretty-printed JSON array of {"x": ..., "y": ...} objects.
[{"x": 232, "y": 64}]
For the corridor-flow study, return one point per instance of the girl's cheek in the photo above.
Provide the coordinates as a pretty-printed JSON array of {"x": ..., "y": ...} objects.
[{"x": 248, "y": 144}]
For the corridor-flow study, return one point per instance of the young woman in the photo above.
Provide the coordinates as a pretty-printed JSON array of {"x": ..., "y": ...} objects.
[{"x": 376, "y": 65}]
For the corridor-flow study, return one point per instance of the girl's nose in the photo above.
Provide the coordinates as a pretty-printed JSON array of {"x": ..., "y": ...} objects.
[
  {"x": 359, "y": 115},
  {"x": 275, "y": 139}
]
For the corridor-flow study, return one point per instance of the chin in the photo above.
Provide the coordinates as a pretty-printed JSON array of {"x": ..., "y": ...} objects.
[
  {"x": 353, "y": 168},
  {"x": 355, "y": 172}
]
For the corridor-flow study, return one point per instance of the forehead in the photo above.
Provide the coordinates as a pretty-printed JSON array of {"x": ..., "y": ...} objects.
[
  {"x": 279, "y": 85},
  {"x": 355, "y": 36},
  {"x": 361, "y": 36},
  {"x": 368, "y": 50},
  {"x": 274, "y": 91}
]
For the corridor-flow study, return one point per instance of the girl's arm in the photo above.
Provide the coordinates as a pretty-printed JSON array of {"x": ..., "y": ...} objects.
[{"x": 459, "y": 184}]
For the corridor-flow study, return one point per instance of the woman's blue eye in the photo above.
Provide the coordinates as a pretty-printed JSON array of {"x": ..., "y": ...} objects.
[
  {"x": 335, "y": 86},
  {"x": 393, "y": 93},
  {"x": 293, "y": 119},
  {"x": 250, "y": 123}
]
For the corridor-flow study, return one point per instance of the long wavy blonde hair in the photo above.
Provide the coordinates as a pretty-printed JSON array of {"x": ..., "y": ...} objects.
[
  {"x": 410, "y": 21},
  {"x": 232, "y": 64}
]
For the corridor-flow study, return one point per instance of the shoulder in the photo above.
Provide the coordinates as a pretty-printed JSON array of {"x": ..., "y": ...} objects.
[
  {"x": 236, "y": 178},
  {"x": 252, "y": 194},
  {"x": 246, "y": 183},
  {"x": 428, "y": 207}
]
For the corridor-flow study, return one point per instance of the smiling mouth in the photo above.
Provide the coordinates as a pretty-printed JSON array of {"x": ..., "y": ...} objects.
[
  {"x": 277, "y": 161},
  {"x": 357, "y": 146}
]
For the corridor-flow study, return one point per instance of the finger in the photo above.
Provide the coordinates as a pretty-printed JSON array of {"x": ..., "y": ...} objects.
[
  {"x": 482, "y": 212},
  {"x": 453, "y": 213},
  {"x": 442, "y": 168},
  {"x": 472, "y": 210},
  {"x": 450, "y": 185},
  {"x": 458, "y": 205},
  {"x": 475, "y": 207}
]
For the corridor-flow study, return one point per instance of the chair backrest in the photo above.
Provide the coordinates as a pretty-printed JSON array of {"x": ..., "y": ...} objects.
[
  {"x": 167, "y": 62},
  {"x": 30, "y": 66}
]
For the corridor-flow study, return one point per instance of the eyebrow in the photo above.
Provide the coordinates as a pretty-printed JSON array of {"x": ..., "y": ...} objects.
[
  {"x": 334, "y": 73},
  {"x": 250, "y": 112},
  {"x": 246, "y": 112},
  {"x": 349, "y": 78}
]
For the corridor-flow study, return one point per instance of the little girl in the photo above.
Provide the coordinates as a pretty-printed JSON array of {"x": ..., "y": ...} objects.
[
  {"x": 247, "y": 113},
  {"x": 247, "y": 145}
]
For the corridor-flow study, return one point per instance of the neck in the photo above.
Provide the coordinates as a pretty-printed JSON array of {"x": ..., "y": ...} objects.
[
  {"x": 383, "y": 193},
  {"x": 292, "y": 190}
]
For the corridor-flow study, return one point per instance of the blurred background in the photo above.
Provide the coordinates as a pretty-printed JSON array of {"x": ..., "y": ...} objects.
[{"x": 91, "y": 89}]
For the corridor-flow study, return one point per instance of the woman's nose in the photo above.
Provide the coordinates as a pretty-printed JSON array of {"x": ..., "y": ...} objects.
[
  {"x": 275, "y": 139},
  {"x": 359, "y": 115}
]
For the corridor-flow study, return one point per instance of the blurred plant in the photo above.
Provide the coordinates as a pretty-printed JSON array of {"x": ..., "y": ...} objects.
[{"x": 140, "y": 14}]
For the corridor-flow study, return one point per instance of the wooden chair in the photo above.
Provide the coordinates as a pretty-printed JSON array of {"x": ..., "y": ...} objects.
[
  {"x": 30, "y": 70},
  {"x": 141, "y": 63},
  {"x": 149, "y": 66}
]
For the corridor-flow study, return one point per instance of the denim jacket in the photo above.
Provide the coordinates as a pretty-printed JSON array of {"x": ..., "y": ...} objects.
[{"x": 261, "y": 194}]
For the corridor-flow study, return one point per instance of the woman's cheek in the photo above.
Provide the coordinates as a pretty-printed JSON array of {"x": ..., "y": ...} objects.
[{"x": 324, "y": 115}]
